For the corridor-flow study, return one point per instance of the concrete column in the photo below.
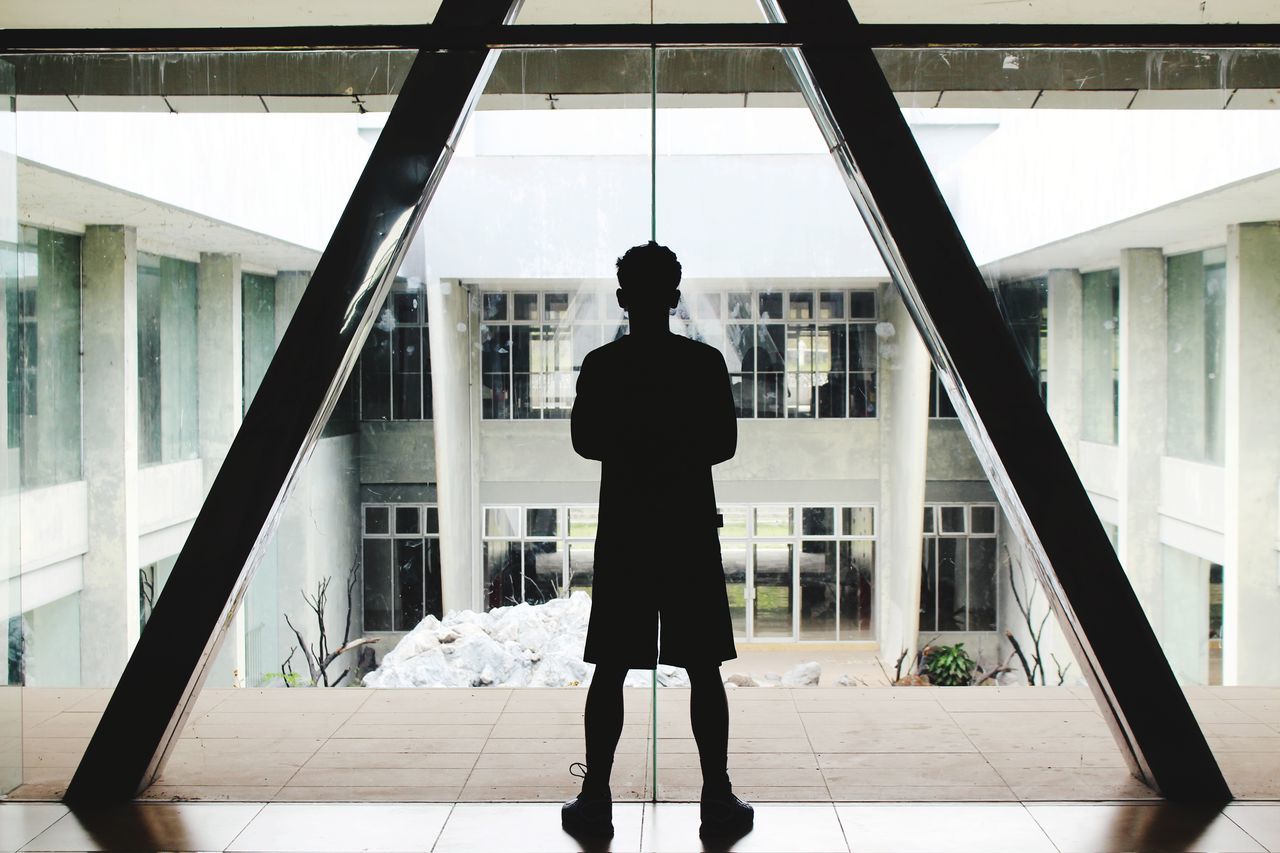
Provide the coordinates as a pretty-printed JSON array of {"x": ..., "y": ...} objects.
[
  {"x": 289, "y": 287},
  {"x": 448, "y": 306},
  {"x": 1143, "y": 325},
  {"x": 1251, "y": 571},
  {"x": 218, "y": 330},
  {"x": 109, "y": 599},
  {"x": 1066, "y": 357},
  {"x": 904, "y": 435}
]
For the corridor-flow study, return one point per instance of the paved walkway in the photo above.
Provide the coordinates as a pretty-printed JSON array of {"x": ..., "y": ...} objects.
[{"x": 818, "y": 744}]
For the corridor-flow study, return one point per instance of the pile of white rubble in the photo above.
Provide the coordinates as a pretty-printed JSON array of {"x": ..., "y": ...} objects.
[{"x": 524, "y": 645}]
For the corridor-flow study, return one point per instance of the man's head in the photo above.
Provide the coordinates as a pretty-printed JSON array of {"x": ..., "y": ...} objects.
[{"x": 648, "y": 278}]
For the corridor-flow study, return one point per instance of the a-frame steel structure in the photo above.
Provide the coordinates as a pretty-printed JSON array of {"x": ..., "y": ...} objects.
[{"x": 931, "y": 266}]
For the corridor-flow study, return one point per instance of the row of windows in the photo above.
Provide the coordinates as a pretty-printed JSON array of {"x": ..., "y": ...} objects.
[
  {"x": 804, "y": 572},
  {"x": 790, "y": 354}
]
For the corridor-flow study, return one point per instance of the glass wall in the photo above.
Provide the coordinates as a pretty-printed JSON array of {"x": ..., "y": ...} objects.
[
  {"x": 43, "y": 319},
  {"x": 1101, "y": 347},
  {"x": 257, "y": 330},
  {"x": 11, "y": 746},
  {"x": 1197, "y": 404},
  {"x": 168, "y": 392}
]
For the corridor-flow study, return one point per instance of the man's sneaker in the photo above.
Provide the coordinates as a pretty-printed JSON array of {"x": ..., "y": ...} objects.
[
  {"x": 588, "y": 815},
  {"x": 725, "y": 816}
]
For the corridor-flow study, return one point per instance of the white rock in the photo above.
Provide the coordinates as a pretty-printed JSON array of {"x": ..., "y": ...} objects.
[{"x": 802, "y": 675}]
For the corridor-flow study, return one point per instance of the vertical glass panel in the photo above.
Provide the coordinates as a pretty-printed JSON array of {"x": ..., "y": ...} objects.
[
  {"x": 582, "y": 560},
  {"x": 735, "y": 522},
  {"x": 11, "y": 747},
  {"x": 929, "y": 586},
  {"x": 981, "y": 602},
  {"x": 168, "y": 426},
  {"x": 409, "y": 583},
  {"x": 257, "y": 329},
  {"x": 771, "y": 613},
  {"x": 951, "y": 584},
  {"x": 733, "y": 557},
  {"x": 379, "y": 596},
  {"x": 857, "y": 566},
  {"x": 45, "y": 320},
  {"x": 495, "y": 306},
  {"x": 502, "y": 574},
  {"x": 1195, "y": 351},
  {"x": 1101, "y": 347},
  {"x": 818, "y": 590},
  {"x": 543, "y": 571}
]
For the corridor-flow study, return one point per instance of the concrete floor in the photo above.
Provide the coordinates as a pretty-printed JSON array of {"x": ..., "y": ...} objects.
[
  {"x": 660, "y": 827},
  {"x": 812, "y": 744}
]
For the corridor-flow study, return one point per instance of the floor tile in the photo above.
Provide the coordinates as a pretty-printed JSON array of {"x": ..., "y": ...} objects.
[
  {"x": 145, "y": 826},
  {"x": 672, "y": 827},
  {"x": 385, "y": 794},
  {"x": 528, "y": 827},
  {"x": 992, "y": 827},
  {"x": 21, "y": 822},
  {"x": 303, "y": 827},
  {"x": 1100, "y": 828},
  {"x": 1260, "y": 820}
]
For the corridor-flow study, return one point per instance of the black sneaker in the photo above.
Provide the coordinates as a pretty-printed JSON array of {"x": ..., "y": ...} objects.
[
  {"x": 588, "y": 815},
  {"x": 725, "y": 816}
]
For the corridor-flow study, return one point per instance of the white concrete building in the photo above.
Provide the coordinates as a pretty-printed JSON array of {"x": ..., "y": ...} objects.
[{"x": 1143, "y": 288}]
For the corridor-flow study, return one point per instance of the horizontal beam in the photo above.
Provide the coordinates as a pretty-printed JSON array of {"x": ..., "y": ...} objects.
[
  {"x": 429, "y": 37},
  {"x": 376, "y": 73}
]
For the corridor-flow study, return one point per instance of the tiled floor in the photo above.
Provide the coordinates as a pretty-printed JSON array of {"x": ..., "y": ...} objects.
[
  {"x": 661, "y": 827},
  {"x": 817, "y": 744}
]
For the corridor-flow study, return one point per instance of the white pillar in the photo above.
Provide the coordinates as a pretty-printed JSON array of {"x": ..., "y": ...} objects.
[
  {"x": 220, "y": 371},
  {"x": 1143, "y": 325},
  {"x": 1251, "y": 571},
  {"x": 109, "y": 600},
  {"x": 449, "y": 310},
  {"x": 1066, "y": 357},
  {"x": 904, "y": 436}
]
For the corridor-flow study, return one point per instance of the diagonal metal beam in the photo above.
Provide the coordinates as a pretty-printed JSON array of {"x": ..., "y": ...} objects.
[
  {"x": 170, "y": 663},
  {"x": 1000, "y": 409}
]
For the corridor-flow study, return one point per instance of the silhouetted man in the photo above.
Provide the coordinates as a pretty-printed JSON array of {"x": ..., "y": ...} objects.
[{"x": 657, "y": 410}]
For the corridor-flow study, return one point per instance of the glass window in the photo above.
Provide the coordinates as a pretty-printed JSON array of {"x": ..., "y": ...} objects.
[
  {"x": 939, "y": 400},
  {"x": 773, "y": 521},
  {"x": 858, "y": 521},
  {"x": 958, "y": 571},
  {"x": 395, "y": 363},
  {"x": 1195, "y": 341},
  {"x": 377, "y": 520},
  {"x": 541, "y": 521},
  {"x": 257, "y": 330},
  {"x": 818, "y": 521},
  {"x": 502, "y": 522},
  {"x": 1025, "y": 307},
  {"x": 168, "y": 419},
  {"x": 401, "y": 568},
  {"x": 1101, "y": 342},
  {"x": 42, "y": 312}
]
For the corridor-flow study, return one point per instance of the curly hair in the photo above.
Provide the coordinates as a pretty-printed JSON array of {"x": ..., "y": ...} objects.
[{"x": 651, "y": 266}]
